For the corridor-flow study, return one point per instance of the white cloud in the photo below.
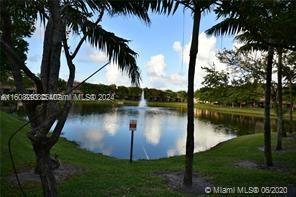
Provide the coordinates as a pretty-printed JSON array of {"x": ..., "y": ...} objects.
[
  {"x": 116, "y": 76},
  {"x": 113, "y": 74},
  {"x": 111, "y": 123},
  {"x": 93, "y": 135},
  {"x": 158, "y": 78},
  {"x": 177, "y": 46},
  {"x": 206, "y": 55},
  {"x": 156, "y": 65},
  {"x": 204, "y": 141},
  {"x": 152, "y": 131},
  {"x": 98, "y": 57}
]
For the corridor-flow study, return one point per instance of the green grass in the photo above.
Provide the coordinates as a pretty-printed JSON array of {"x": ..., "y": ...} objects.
[
  {"x": 246, "y": 111},
  {"x": 241, "y": 111},
  {"x": 108, "y": 176}
]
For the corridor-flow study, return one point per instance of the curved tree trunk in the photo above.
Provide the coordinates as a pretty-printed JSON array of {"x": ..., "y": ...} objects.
[
  {"x": 190, "y": 101},
  {"x": 267, "y": 132},
  {"x": 280, "y": 132}
]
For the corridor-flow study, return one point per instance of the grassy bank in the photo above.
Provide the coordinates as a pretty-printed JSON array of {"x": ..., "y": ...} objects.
[
  {"x": 258, "y": 112},
  {"x": 102, "y": 175},
  {"x": 246, "y": 111}
]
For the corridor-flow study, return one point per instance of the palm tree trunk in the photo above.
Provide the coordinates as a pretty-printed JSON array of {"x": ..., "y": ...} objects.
[
  {"x": 190, "y": 100},
  {"x": 291, "y": 107},
  {"x": 267, "y": 132},
  {"x": 280, "y": 132}
]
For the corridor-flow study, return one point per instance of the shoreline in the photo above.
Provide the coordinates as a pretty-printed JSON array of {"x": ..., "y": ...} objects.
[{"x": 244, "y": 111}]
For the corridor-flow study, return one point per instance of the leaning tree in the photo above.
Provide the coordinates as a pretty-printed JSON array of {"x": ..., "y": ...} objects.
[{"x": 62, "y": 19}]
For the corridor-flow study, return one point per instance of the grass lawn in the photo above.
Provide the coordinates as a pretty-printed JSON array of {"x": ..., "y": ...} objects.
[
  {"x": 102, "y": 175},
  {"x": 247, "y": 111}
]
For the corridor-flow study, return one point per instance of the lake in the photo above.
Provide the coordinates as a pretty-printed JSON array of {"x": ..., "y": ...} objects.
[{"x": 161, "y": 132}]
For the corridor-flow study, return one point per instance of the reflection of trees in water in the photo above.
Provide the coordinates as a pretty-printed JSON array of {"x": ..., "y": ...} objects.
[
  {"x": 90, "y": 108},
  {"x": 242, "y": 124},
  {"x": 231, "y": 122}
]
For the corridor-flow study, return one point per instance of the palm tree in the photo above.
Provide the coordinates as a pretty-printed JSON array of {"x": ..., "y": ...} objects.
[
  {"x": 197, "y": 7},
  {"x": 64, "y": 18},
  {"x": 280, "y": 132},
  {"x": 264, "y": 23}
]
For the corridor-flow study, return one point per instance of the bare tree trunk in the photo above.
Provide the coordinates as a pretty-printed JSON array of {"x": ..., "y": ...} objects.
[
  {"x": 267, "y": 131},
  {"x": 45, "y": 166},
  {"x": 190, "y": 100},
  {"x": 280, "y": 132},
  {"x": 291, "y": 108}
]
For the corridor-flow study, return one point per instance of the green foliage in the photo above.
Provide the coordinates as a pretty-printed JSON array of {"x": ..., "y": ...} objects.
[
  {"x": 214, "y": 78},
  {"x": 130, "y": 93},
  {"x": 263, "y": 23},
  {"x": 244, "y": 66},
  {"x": 231, "y": 95},
  {"x": 289, "y": 67},
  {"x": 23, "y": 26}
]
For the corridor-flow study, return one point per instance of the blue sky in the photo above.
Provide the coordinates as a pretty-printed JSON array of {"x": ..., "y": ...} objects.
[{"x": 159, "y": 46}]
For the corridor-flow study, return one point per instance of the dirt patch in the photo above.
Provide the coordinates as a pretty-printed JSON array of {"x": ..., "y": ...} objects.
[
  {"x": 261, "y": 148},
  {"x": 61, "y": 174},
  {"x": 281, "y": 167},
  {"x": 175, "y": 181},
  {"x": 284, "y": 150},
  {"x": 291, "y": 136},
  {"x": 246, "y": 164}
]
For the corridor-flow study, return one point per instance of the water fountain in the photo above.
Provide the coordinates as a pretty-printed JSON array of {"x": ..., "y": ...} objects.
[
  {"x": 142, "y": 110},
  {"x": 143, "y": 102}
]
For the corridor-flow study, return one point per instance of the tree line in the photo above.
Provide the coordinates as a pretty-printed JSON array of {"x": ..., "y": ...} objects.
[
  {"x": 130, "y": 93},
  {"x": 242, "y": 82}
]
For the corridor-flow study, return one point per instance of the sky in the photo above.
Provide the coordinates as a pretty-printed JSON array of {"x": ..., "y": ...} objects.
[{"x": 160, "y": 47}]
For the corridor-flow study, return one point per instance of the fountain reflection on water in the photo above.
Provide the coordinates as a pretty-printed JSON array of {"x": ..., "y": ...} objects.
[{"x": 142, "y": 108}]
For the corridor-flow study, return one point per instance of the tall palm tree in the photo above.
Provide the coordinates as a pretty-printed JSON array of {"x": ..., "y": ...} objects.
[
  {"x": 266, "y": 24},
  {"x": 280, "y": 132},
  {"x": 197, "y": 7},
  {"x": 64, "y": 18}
]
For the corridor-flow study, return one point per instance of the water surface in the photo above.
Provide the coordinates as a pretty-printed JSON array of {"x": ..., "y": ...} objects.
[{"x": 161, "y": 132}]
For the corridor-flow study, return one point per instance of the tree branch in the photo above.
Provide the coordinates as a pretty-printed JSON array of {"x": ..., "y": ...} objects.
[
  {"x": 60, "y": 124},
  {"x": 70, "y": 64},
  {"x": 85, "y": 36},
  {"x": 12, "y": 54},
  {"x": 64, "y": 112}
]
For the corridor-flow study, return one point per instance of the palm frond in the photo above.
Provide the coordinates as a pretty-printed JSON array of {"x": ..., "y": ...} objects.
[
  {"x": 251, "y": 41},
  {"x": 229, "y": 26},
  {"x": 252, "y": 46},
  {"x": 134, "y": 8},
  {"x": 116, "y": 48},
  {"x": 161, "y": 6}
]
